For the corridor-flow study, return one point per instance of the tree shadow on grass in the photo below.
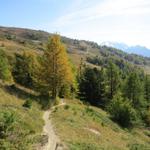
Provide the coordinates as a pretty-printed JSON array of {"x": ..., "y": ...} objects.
[
  {"x": 19, "y": 92},
  {"x": 26, "y": 94}
]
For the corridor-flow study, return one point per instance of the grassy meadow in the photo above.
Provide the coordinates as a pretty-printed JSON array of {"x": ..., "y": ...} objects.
[
  {"x": 83, "y": 127},
  {"x": 27, "y": 124}
]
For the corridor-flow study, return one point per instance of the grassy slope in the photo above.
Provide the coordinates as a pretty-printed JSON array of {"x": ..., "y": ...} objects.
[
  {"x": 72, "y": 124},
  {"x": 28, "y": 124},
  {"x": 77, "y": 125}
]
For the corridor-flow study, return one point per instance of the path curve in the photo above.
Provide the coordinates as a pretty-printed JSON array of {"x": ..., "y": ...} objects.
[{"x": 53, "y": 140}]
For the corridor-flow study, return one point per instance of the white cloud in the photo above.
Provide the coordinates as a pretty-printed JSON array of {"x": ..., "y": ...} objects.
[
  {"x": 105, "y": 9},
  {"x": 99, "y": 20}
]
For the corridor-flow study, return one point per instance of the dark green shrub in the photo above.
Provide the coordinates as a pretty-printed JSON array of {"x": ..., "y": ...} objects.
[
  {"x": 23, "y": 69},
  {"x": 28, "y": 103},
  {"x": 66, "y": 107},
  {"x": 122, "y": 111},
  {"x": 55, "y": 110},
  {"x": 102, "y": 123}
]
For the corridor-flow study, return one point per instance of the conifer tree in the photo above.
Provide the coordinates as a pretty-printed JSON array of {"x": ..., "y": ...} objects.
[
  {"x": 121, "y": 110},
  {"x": 134, "y": 90},
  {"x": 56, "y": 70},
  {"x": 113, "y": 79},
  {"x": 93, "y": 86}
]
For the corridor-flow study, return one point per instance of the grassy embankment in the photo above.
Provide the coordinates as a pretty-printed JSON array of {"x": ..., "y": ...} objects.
[
  {"x": 83, "y": 127},
  {"x": 23, "y": 125}
]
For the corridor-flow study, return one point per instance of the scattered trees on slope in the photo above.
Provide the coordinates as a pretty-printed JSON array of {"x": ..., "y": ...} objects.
[
  {"x": 98, "y": 86},
  {"x": 101, "y": 89},
  {"x": 93, "y": 87},
  {"x": 52, "y": 75}
]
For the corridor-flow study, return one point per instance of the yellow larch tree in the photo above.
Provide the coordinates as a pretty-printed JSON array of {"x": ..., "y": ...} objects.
[{"x": 56, "y": 69}]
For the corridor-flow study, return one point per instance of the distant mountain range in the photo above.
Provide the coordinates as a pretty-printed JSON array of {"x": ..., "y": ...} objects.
[{"x": 139, "y": 50}]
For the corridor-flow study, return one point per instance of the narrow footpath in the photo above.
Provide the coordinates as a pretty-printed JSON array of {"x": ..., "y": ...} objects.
[{"x": 53, "y": 140}]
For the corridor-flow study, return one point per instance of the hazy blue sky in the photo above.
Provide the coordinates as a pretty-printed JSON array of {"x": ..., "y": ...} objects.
[{"x": 125, "y": 21}]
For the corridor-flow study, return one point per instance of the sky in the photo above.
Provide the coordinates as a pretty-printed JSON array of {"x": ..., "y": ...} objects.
[{"x": 126, "y": 21}]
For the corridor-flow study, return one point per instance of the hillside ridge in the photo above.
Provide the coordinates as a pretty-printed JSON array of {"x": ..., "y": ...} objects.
[{"x": 15, "y": 39}]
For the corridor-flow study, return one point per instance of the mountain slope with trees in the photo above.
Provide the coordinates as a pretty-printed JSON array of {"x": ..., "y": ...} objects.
[
  {"x": 99, "y": 76},
  {"x": 16, "y": 40}
]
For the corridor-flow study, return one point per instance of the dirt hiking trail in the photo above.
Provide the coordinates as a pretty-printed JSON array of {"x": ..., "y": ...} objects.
[{"x": 53, "y": 142}]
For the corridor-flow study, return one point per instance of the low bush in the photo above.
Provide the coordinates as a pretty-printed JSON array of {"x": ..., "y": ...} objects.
[
  {"x": 122, "y": 111},
  {"x": 7, "y": 121},
  {"x": 13, "y": 134},
  {"x": 28, "y": 103},
  {"x": 66, "y": 107}
]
